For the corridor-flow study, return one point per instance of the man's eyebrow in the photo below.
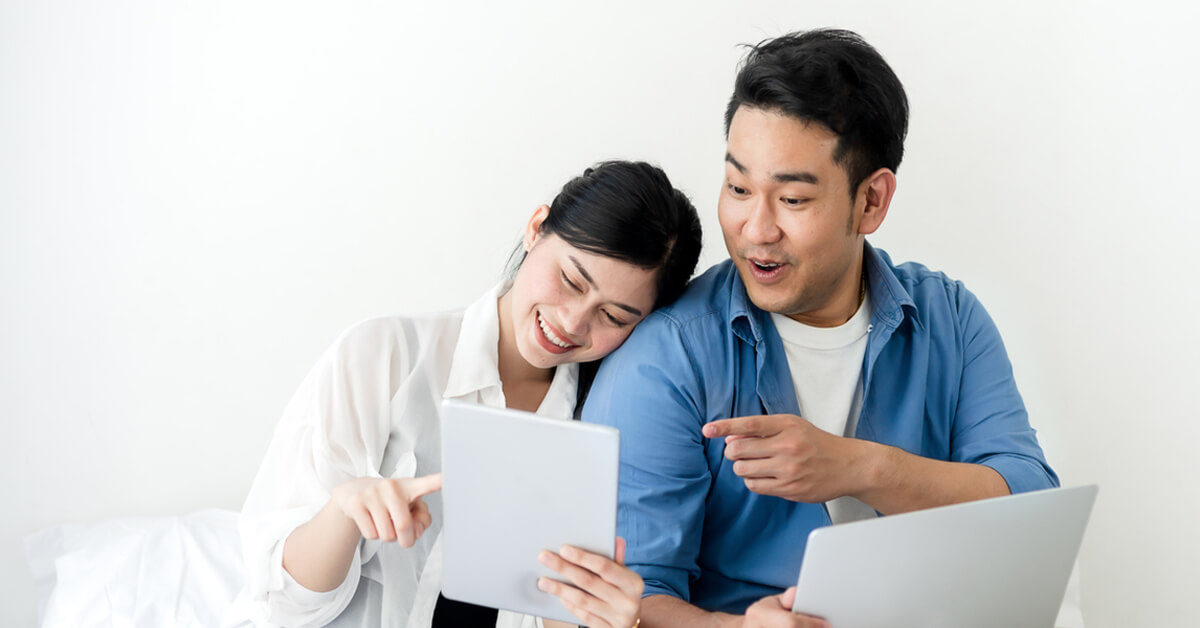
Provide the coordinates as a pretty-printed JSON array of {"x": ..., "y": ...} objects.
[
  {"x": 780, "y": 177},
  {"x": 797, "y": 177},
  {"x": 735, "y": 163},
  {"x": 588, "y": 278}
]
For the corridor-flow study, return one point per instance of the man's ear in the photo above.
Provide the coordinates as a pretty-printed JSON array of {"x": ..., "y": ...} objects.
[
  {"x": 533, "y": 229},
  {"x": 875, "y": 196}
]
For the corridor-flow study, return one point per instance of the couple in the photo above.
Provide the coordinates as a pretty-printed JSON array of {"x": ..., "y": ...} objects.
[{"x": 803, "y": 382}]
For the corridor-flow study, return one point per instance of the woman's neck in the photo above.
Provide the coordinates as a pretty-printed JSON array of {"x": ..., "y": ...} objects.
[{"x": 524, "y": 384}]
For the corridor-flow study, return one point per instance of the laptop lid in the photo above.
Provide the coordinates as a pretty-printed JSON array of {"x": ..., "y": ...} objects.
[{"x": 994, "y": 563}]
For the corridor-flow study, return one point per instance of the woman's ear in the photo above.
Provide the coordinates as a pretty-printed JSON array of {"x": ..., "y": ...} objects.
[{"x": 533, "y": 229}]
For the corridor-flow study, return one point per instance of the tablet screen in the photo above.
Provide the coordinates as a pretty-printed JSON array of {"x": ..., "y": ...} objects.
[{"x": 514, "y": 484}]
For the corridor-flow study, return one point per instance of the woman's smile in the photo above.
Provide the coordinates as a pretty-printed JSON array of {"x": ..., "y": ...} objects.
[{"x": 550, "y": 338}]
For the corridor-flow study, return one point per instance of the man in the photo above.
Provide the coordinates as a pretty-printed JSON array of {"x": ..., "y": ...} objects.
[{"x": 807, "y": 379}]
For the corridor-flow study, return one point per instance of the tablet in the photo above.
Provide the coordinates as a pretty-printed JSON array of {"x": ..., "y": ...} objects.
[
  {"x": 994, "y": 563},
  {"x": 514, "y": 484}
]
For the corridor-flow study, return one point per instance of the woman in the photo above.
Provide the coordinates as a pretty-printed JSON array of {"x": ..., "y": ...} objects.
[{"x": 343, "y": 520}]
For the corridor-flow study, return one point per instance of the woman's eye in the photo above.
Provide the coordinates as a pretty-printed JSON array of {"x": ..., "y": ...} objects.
[
  {"x": 570, "y": 283},
  {"x": 615, "y": 320}
]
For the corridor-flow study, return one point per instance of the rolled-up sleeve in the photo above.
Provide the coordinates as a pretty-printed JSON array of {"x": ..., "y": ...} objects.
[
  {"x": 334, "y": 429},
  {"x": 991, "y": 425},
  {"x": 650, "y": 390}
]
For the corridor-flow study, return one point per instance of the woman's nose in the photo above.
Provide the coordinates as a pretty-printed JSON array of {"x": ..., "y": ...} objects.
[{"x": 574, "y": 319}]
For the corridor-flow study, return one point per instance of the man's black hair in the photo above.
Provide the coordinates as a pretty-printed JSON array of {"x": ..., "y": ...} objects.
[{"x": 837, "y": 79}]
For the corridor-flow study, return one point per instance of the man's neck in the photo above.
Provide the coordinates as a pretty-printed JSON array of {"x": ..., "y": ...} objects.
[{"x": 844, "y": 302}]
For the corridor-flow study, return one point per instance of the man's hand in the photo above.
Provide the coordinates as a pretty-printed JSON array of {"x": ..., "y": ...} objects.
[
  {"x": 776, "y": 612},
  {"x": 786, "y": 456}
]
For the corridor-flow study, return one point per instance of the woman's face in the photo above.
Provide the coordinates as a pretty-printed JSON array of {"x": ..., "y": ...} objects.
[{"x": 570, "y": 305}]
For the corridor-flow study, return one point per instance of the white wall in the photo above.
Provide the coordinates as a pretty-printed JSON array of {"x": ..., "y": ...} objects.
[{"x": 196, "y": 197}]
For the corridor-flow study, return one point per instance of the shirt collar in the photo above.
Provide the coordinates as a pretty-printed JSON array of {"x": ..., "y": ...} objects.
[
  {"x": 889, "y": 299},
  {"x": 474, "y": 366}
]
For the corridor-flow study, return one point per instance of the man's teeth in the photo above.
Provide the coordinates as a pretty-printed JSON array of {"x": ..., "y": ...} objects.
[
  {"x": 550, "y": 334},
  {"x": 765, "y": 266}
]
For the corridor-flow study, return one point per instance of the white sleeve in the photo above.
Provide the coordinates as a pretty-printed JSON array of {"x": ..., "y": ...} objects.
[{"x": 335, "y": 429}]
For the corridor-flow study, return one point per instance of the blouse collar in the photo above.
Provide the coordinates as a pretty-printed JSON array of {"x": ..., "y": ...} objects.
[{"x": 475, "y": 365}]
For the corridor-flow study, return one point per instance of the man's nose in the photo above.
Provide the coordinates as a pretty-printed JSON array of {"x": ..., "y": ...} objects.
[{"x": 760, "y": 226}]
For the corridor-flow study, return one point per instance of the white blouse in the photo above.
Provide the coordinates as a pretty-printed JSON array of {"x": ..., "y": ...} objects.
[{"x": 370, "y": 408}]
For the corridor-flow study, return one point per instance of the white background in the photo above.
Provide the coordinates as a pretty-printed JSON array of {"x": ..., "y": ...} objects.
[{"x": 196, "y": 197}]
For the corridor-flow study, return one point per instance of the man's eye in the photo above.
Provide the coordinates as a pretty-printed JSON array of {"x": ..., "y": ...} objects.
[
  {"x": 570, "y": 283},
  {"x": 792, "y": 202},
  {"x": 740, "y": 191}
]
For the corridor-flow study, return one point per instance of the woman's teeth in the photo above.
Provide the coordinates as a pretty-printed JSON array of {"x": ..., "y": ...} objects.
[{"x": 550, "y": 334}]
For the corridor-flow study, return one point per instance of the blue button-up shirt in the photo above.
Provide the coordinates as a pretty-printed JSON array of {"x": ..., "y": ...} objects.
[{"x": 936, "y": 383}]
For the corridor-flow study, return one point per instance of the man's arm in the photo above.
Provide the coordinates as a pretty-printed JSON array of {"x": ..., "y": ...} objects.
[
  {"x": 773, "y": 611},
  {"x": 650, "y": 390},
  {"x": 786, "y": 456},
  {"x": 665, "y": 611},
  {"x": 993, "y": 451}
]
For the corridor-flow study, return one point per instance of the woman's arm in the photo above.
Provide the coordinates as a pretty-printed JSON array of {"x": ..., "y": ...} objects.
[
  {"x": 335, "y": 430},
  {"x": 318, "y": 554}
]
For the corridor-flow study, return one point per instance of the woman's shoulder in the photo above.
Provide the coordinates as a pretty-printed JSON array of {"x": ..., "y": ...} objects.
[{"x": 397, "y": 334}]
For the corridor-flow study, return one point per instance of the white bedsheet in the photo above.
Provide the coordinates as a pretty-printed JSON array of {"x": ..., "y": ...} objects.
[
  {"x": 159, "y": 571},
  {"x": 177, "y": 571}
]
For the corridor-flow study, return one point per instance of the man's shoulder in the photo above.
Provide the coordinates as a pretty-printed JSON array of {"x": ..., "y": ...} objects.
[
  {"x": 929, "y": 290},
  {"x": 706, "y": 294},
  {"x": 701, "y": 312}
]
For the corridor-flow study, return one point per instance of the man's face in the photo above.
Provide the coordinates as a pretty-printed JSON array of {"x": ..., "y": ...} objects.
[{"x": 790, "y": 223}]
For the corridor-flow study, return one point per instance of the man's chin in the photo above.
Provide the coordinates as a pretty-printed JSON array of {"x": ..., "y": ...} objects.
[{"x": 774, "y": 300}]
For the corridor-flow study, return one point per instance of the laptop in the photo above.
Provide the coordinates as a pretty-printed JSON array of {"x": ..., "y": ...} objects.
[
  {"x": 513, "y": 484},
  {"x": 994, "y": 563}
]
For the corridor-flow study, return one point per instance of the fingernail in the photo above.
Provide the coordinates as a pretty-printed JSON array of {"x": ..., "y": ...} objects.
[
  {"x": 568, "y": 552},
  {"x": 544, "y": 558},
  {"x": 544, "y": 585}
]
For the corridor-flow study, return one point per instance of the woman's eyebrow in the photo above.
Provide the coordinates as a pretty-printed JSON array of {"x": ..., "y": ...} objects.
[
  {"x": 582, "y": 271},
  {"x": 588, "y": 278}
]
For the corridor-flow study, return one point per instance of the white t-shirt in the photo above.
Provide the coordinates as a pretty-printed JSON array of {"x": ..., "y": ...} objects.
[
  {"x": 826, "y": 365},
  {"x": 370, "y": 408}
]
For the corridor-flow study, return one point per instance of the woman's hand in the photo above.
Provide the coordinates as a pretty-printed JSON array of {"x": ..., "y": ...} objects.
[
  {"x": 387, "y": 508},
  {"x": 606, "y": 594}
]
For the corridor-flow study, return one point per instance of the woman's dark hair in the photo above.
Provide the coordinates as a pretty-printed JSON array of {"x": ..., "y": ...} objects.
[
  {"x": 629, "y": 211},
  {"x": 833, "y": 77}
]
